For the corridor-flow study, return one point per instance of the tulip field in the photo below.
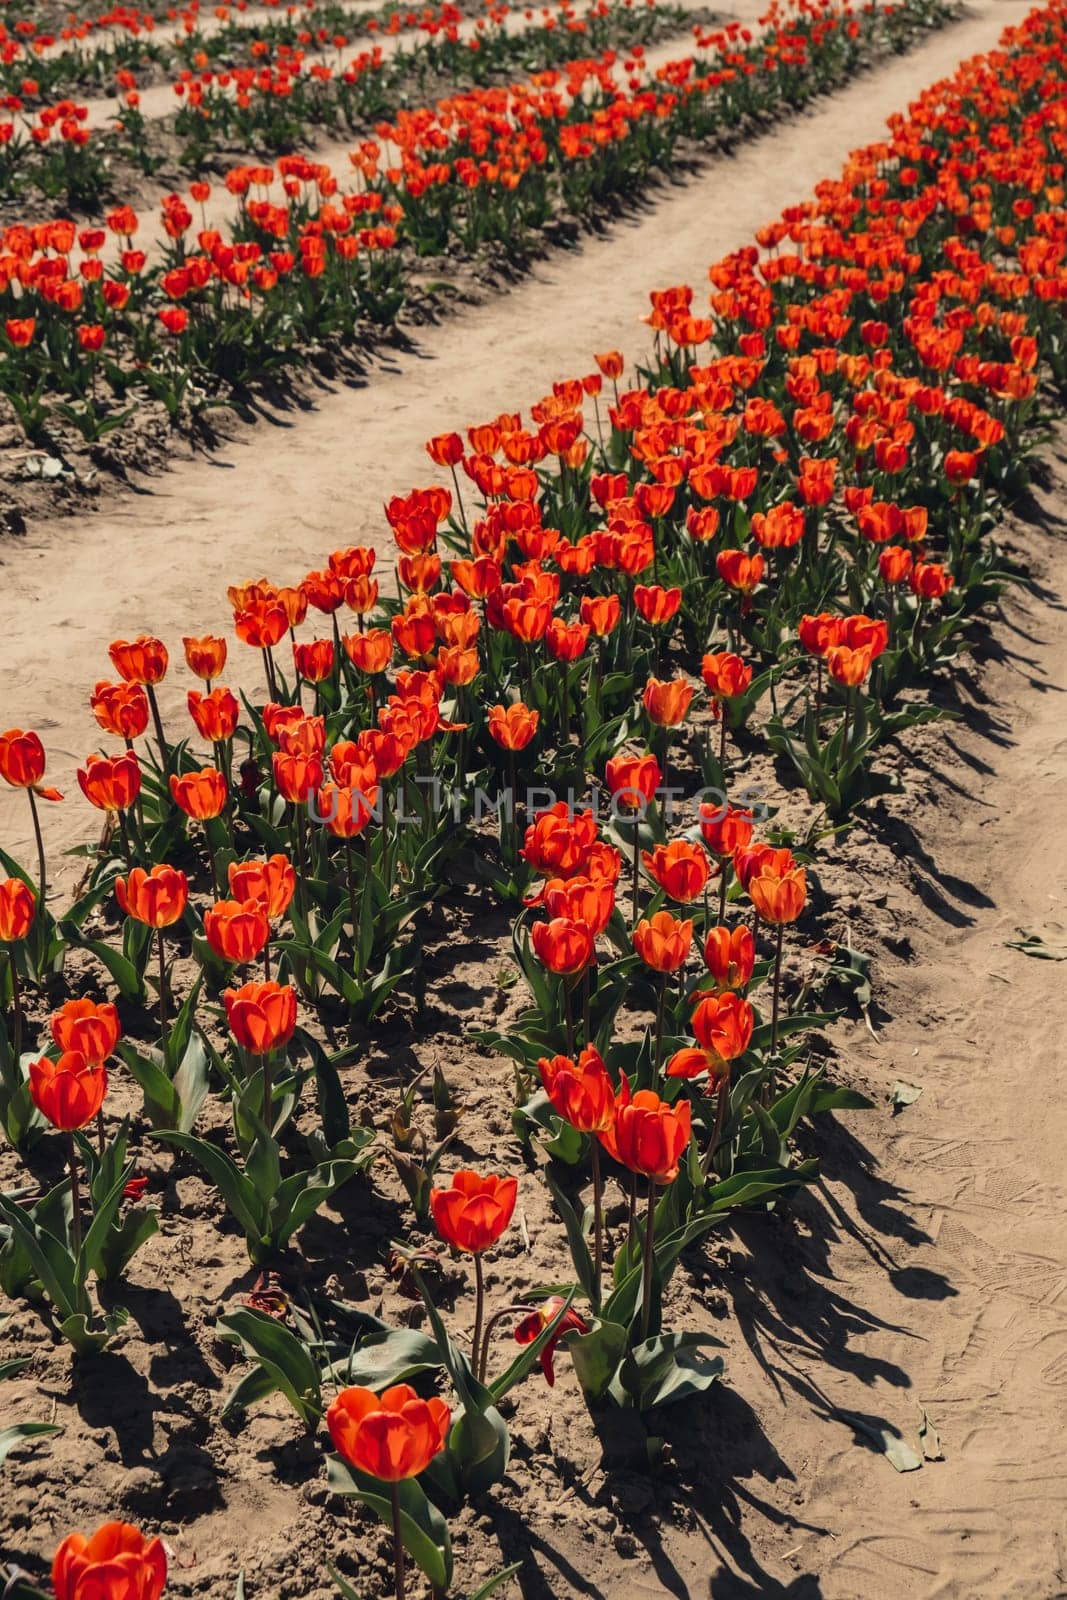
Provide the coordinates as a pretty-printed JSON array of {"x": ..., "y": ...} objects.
[{"x": 446, "y": 971}]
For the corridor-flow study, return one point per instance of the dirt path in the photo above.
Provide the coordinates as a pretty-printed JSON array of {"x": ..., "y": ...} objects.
[{"x": 289, "y": 490}]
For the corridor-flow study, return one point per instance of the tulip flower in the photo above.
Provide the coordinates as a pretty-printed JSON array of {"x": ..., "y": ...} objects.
[
  {"x": 581, "y": 1092},
  {"x": 205, "y": 657},
  {"x": 117, "y": 1562},
  {"x": 512, "y": 726},
  {"x": 534, "y": 1324},
  {"x": 22, "y": 762},
  {"x": 237, "y": 932},
  {"x": 215, "y": 714},
  {"x": 143, "y": 660},
  {"x": 649, "y": 1136},
  {"x": 262, "y": 1019},
  {"x": 18, "y": 908},
  {"x": 121, "y": 709},
  {"x": 69, "y": 1093},
  {"x": 390, "y": 1437},
  {"x": 87, "y": 1026},
  {"x": 563, "y": 945},
  {"x": 663, "y": 942},
  {"x": 471, "y": 1216},
  {"x": 730, "y": 955},
  {"x": 158, "y": 899},
  {"x": 681, "y": 869}
]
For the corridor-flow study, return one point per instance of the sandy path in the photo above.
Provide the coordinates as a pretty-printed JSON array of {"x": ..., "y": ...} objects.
[{"x": 288, "y": 491}]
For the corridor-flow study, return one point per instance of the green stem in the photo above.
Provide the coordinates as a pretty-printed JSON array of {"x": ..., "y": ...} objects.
[
  {"x": 40, "y": 848},
  {"x": 479, "y": 1318},
  {"x": 398, "y": 1544},
  {"x": 75, "y": 1197},
  {"x": 598, "y": 1222},
  {"x": 650, "y": 1242}
]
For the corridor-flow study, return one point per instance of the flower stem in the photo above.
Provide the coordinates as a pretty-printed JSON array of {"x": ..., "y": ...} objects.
[
  {"x": 775, "y": 1004},
  {"x": 398, "y": 1544},
  {"x": 162, "y": 990},
  {"x": 650, "y": 1241},
  {"x": 157, "y": 723},
  {"x": 598, "y": 1222},
  {"x": 75, "y": 1197},
  {"x": 479, "y": 1317},
  {"x": 16, "y": 1007},
  {"x": 42, "y": 875}
]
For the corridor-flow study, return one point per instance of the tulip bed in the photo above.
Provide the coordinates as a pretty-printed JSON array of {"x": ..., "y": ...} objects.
[
  {"x": 196, "y": 327},
  {"x": 768, "y": 540}
]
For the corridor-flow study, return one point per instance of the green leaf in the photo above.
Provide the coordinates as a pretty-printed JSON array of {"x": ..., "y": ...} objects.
[
  {"x": 576, "y": 1238},
  {"x": 284, "y": 1357},
  {"x": 670, "y": 1368},
  {"x": 491, "y": 1585},
  {"x": 897, "y": 1451},
  {"x": 423, "y": 1529},
  {"x": 239, "y": 1194},
  {"x": 383, "y": 1359},
  {"x": 596, "y": 1356}
]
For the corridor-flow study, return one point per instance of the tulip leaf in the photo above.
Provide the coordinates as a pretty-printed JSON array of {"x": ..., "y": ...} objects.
[
  {"x": 596, "y": 1356},
  {"x": 104, "y": 1215},
  {"x": 576, "y": 1238},
  {"x": 668, "y": 1368},
  {"x": 491, "y": 1585},
  {"x": 49, "y": 1257},
  {"x": 423, "y": 1529},
  {"x": 123, "y": 973},
  {"x": 333, "y": 1108},
  {"x": 237, "y": 1191},
  {"x": 13, "y": 1435},
  {"x": 162, "y": 1102},
  {"x": 281, "y": 1355},
  {"x": 383, "y": 1359}
]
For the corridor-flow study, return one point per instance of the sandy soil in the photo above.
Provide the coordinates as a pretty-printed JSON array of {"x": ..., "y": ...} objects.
[{"x": 928, "y": 1272}]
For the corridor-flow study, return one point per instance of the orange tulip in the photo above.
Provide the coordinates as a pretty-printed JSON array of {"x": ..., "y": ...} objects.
[
  {"x": 725, "y": 675},
  {"x": 649, "y": 1136},
  {"x": 68, "y": 1092},
  {"x": 261, "y": 1016},
  {"x": 663, "y": 942},
  {"x": 157, "y": 898},
  {"x": 558, "y": 843},
  {"x": 681, "y": 869},
  {"x": 723, "y": 1024},
  {"x": 581, "y": 899},
  {"x": 121, "y": 709},
  {"x": 140, "y": 660},
  {"x": 111, "y": 783},
  {"x": 371, "y": 652},
  {"x": 847, "y": 666},
  {"x": 90, "y": 1028},
  {"x": 730, "y": 955},
  {"x": 600, "y": 613},
  {"x": 296, "y": 776},
  {"x": 474, "y": 1212},
  {"x": 18, "y": 907},
  {"x": 272, "y": 882},
  {"x": 580, "y": 1091},
  {"x": 236, "y": 932},
  {"x": 314, "y": 660},
  {"x": 513, "y": 726},
  {"x": 116, "y": 1563},
  {"x": 633, "y": 781},
  {"x": 738, "y": 570},
  {"x": 779, "y": 896},
  {"x": 21, "y": 759},
  {"x": 205, "y": 657},
  {"x": 656, "y": 605},
  {"x": 201, "y": 795},
  {"x": 214, "y": 714},
  {"x": 724, "y": 828},
  {"x": 345, "y": 809},
  {"x": 389, "y": 1437},
  {"x": 667, "y": 704},
  {"x": 563, "y": 945}
]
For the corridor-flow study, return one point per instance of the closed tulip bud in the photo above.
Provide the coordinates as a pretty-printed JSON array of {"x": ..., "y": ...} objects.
[
  {"x": 295, "y": 777},
  {"x": 111, "y": 783},
  {"x": 649, "y": 1136},
  {"x": 611, "y": 363},
  {"x": 656, "y": 605},
  {"x": 237, "y": 933},
  {"x": 581, "y": 899},
  {"x": 633, "y": 781},
  {"x": 730, "y": 956},
  {"x": 18, "y": 907},
  {"x": 314, "y": 660},
  {"x": 88, "y": 1027},
  {"x": 847, "y": 666},
  {"x": 681, "y": 869},
  {"x": 600, "y": 613},
  {"x": 474, "y": 1212},
  {"x": 566, "y": 642},
  {"x": 214, "y": 714},
  {"x": 779, "y": 897},
  {"x": 724, "y": 829},
  {"x": 272, "y": 882},
  {"x": 563, "y": 945},
  {"x": 929, "y": 580},
  {"x": 513, "y": 726},
  {"x": 116, "y": 1563},
  {"x": 663, "y": 942},
  {"x": 446, "y": 449},
  {"x": 895, "y": 563},
  {"x": 68, "y": 1092},
  {"x": 140, "y": 660},
  {"x": 121, "y": 709},
  {"x": 738, "y": 570},
  {"x": 345, "y": 809},
  {"x": 205, "y": 657},
  {"x": 580, "y": 1091},
  {"x": 667, "y": 704},
  {"x": 157, "y": 898},
  {"x": 389, "y": 1437},
  {"x": 21, "y": 759},
  {"x": 201, "y": 795},
  {"x": 261, "y": 1016},
  {"x": 370, "y": 652}
]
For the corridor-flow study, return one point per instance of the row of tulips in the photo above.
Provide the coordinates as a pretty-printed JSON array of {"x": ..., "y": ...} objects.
[
  {"x": 284, "y": 96},
  {"x": 226, "y": 312},
  {"x": 42, "y": 62},
  {"x": 770, "y": 542}
]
